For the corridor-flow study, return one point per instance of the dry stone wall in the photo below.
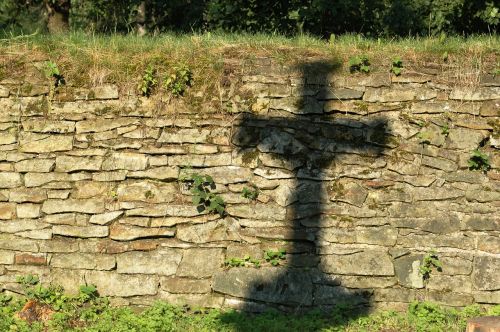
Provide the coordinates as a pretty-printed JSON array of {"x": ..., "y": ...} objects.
[{"x": 359, "y": 177}]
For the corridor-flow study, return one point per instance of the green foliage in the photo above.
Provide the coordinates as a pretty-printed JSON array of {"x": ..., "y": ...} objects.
[
  {"x": 28, "y": 280},
  {"x": 178, "y": 81},
  {"x": 88, "y": 312},
  {"x": 324, "y": 18},
  {"x": 201, "y": 187},
  {"x": 241, "y": 262},
  {"x": 397, "y": 66},
  {"x": 149, "y": 81},
  {"x": 250, "y": 194},
  {"x": 424, "y": 137},
  {"x": 429, "y": 263},
  {"x": 427, "y": 316},
  {"x": 51, "y": 71},
  {"x": 359, "y": 64},
  {"x": 21, "y": 17},
  {"x": 479, "y": 161},
  {"x": 445, "y": 130},
  {"x": 490, "y": 14},
  {"x": 274, "y": 257},
  {"x": 5, "y": 299}
]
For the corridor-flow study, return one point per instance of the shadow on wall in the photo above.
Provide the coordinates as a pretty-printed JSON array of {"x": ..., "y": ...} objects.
[{"x": 311, "y": 146}]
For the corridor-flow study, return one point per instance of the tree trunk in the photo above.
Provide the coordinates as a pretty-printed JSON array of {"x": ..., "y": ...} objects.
[
  {"x": 140, "y": 19},
  {"x": 58, "y": 15}
]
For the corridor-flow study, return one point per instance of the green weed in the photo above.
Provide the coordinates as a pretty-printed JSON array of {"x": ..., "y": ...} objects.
[
  {"x": 359, "y": 64},
  {"x": 274, "y": 257},
  {"x": 201, "y": 186},
  {"x": 149, "y": 82},
  {"x": 479, "y": 161},
  {"x": 178, "y": 81},
  {"x": 250, "y": 194},
  {"x": 429, "y": 263},
  {"x": 397, "y": 66}
]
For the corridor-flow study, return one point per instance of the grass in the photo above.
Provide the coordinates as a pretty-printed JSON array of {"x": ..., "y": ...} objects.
[
  {"x": 48, "y": 308},
  {"x": 420, "y": 317},
  {"x": 89, "y": 60}
]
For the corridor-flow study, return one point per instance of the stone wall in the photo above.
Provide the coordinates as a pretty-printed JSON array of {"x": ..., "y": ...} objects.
[{"x": 358, "y": 179}]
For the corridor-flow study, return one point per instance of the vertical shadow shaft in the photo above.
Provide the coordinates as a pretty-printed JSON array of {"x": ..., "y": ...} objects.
[{"x": 311, "y": 145}]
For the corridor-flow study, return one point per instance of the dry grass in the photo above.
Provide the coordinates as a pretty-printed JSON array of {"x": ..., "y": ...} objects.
[{"x": 89, "y": 60}]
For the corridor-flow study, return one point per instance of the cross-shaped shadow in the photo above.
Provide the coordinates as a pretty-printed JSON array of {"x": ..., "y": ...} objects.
[{"x": 311, "y": 145}]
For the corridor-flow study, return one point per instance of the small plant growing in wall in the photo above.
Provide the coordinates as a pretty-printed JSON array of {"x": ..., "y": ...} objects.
[
  {"x": 51, "y": 71},
  {"x": 201, "y": 187},
  {"x": 397, "y": 66},
  {"x": 249, "y": 193},
  {"x": 429, "y": 263},
  {"x": 242, "y": 262},
  {"x": 149, "y": 82},
  {"x": 359, "y": 64},
  {"x": 424, "y": 137},
  {"x": 178, "y": 81},
  {"x": 274, "y": 257},
  {"x": 479, "y": 161},
  {"x": 445, "y": 130}
]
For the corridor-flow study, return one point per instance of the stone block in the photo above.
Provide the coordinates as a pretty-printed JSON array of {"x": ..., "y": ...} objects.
[
  {"x": 185, "y": 286},
  {"x": 221, "y": 230},
  {"x": 102, "y": 125},
  {"x": 28, "y": 210},
  {"x": 7, "y": 138},
  {"x": 83, "y": 261},
  {"x": 81, "y": 231},
  {"x": 71, "y": 164},
  {"x": 223, "y": 175},
  {"x": 485, "y": 275},
  {"x": 10, "y": 242},
  {"x": 258, "y": 211},
  {"x": 105, "y": 218},
  {"x": 164, "y": 261},
  {"x": 439, "y": 163},
  {"x": 10, "y": 180},
  {"x": 385, "y": 95},
  {"x": 337, "y": 295},
  {"x": 114, "y": 284},
  {"x": 106, "y": 91},
  {"x": 272, "y": 285},
  {"x": 200, "y": 263},
  {"x": 339, "y": 94},
  {"x": 48, "y": 126},
  {"x": 73, "y": 205},
  {"x": 125, "y": 161},
  {"x": 147, "y": 191},
  {"x": 6, "y": 257},
  {"x": 30, "y": 259},
  {"x": 7, "y": 211},
  {"x": 477, "y": 94},
  {"x": 184, "y": 136},
  {"x": 297, "y": 105},
  {"x": 490, "y": 108},
  {"x": 45, "y": 143},
  {"x": 376, "y": 263},
  {"x": 32, "y": 195},
  {"x": 92, "y": 189}
]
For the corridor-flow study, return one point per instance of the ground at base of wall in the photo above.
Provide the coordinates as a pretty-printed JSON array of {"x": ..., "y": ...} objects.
[{"x": 95, "y": 314}]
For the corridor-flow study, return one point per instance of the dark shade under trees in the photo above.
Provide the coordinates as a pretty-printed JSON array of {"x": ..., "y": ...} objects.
[{"x": 373, "y": 18}]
